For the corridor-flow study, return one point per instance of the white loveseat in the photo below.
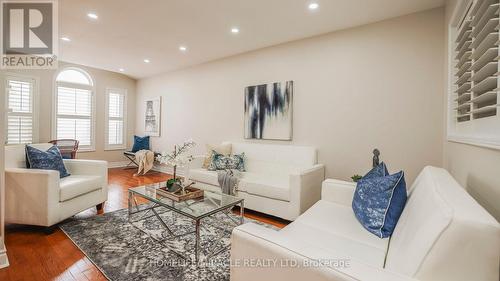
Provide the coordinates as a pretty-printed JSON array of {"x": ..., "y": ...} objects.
[
  {"x": 39, "y": 197},
  {"x": 442, "y": 234},
  {"x": 281, "y": 180}
]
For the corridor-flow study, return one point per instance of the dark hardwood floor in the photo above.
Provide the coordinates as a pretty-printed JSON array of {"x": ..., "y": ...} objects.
[{"x": 34, "y": 255}]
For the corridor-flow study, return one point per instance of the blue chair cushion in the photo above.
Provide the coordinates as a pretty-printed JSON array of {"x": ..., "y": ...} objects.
[
  {"x": 140, "y": 143},
  {"x": 46, "y": 160},
  {"x": 378, "y": 203}
]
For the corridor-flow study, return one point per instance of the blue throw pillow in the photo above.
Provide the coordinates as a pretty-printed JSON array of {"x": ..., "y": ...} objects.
[
  {"x": 140, "y": 143},
  {"x": 379, "y": 171},
  {"x": 46, "y": 160},
  {"x": 378, "y": 203}
]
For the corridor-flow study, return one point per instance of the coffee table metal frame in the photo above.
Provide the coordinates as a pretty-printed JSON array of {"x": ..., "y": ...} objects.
[{"x": 226, "y": 209}]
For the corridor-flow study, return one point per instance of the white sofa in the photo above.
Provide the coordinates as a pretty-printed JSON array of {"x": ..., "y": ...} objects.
[
  {"x": 39, "y": 197},
  {"x": 281, "y": 180},
  {"x": 442, "y": 234}
]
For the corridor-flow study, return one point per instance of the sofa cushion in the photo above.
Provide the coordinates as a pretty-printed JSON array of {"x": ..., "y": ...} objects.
[
  {"x": 339, "y": 219},
  {"x": 333, "y": 228},
  {"x": 271, "y": 186},
  {"x": 276, "y": 159},
  {"x": 76, "y": 185},
  {"x": 204, "y": 176}
]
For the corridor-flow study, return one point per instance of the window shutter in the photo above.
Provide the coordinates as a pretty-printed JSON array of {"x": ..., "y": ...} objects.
[
  {"x": 74, "y": 114},
  {"x": 463, "y": 73},
  {"x": 115, "y": 105},
  {"x": 20, "y": 111},
  {"x": 485, "y": 58},
  {"x": 477, "y": 62},
  {"x": 116, "y": 108},
  {"x": 115, "y": 136}
]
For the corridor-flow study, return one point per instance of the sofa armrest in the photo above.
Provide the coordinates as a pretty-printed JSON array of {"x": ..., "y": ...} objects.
[
  {"x": 31, "y": 196},
  {"x": 337, "y": 191},
  {"x": 305, "y": 186},
  {"x": 261, "y": 253}
]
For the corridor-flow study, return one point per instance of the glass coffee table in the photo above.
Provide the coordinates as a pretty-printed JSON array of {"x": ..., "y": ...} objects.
[{"x": 195, "y": 209}]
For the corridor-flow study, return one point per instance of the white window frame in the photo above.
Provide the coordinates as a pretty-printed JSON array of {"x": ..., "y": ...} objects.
[
  {"x": 123, "y": 146},
  {"x": 91, "y": 87},
  {"x": 480, "y": 132},
  {"x": 34, "y": 110}
]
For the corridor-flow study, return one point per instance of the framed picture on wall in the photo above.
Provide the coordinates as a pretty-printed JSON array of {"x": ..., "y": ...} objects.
[
  {"x": 152, "y": 116},
  {"x": 268, "y": 111}
]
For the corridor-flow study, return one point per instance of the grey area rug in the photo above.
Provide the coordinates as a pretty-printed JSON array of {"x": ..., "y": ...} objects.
[{"x": 144, "y": 250}]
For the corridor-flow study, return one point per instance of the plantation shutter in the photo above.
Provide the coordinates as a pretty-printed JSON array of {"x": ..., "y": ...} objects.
[
  {"x": 74, "y": 114},
  {"x": 476, "y": 76},
  {"x": 19, "y": 111},
  {"x": 116, "y": 126}
]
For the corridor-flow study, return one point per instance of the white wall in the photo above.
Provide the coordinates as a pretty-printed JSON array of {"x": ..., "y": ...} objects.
[
  {"x": 102, "y": 80},
  {"x": 378, "y": 85},
  {"x": 476, "y": 168}
]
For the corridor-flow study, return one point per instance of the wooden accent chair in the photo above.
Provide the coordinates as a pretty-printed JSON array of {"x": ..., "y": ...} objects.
[{"x": 68, "y": 147}]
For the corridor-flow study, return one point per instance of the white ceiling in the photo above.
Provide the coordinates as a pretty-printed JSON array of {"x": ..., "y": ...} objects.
[{"x": 128, "y": 31}]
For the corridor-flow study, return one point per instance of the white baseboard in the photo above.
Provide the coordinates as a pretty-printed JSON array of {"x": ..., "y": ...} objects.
[
  {"x": 163, "y": 169},
  {"x": 118, "y": 164},
  {"x": 158, "y": 168},
  {"x": 168, "y": 170}
]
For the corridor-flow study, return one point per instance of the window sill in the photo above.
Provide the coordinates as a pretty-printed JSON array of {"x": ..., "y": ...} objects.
[
  {"x": 491, "y": 144},
  {"x": 85, "y": 150},
  {"x": 112, "y": 148}
]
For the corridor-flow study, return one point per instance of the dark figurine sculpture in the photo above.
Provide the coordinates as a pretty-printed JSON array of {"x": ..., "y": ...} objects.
[{"x": 376, "y": 160}]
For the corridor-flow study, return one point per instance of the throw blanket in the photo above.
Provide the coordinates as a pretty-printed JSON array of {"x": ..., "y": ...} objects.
[
  {"x": 145, "y": 159},
  {"x": 228, "y": 181}
]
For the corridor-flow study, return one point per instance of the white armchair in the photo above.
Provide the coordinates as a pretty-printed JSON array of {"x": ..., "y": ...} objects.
[{"x": 40, "y": 197}]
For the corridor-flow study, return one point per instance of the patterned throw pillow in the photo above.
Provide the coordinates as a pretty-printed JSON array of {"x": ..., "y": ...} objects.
[
  {"x": 46, "y": 160},
  {"x": 222, "y": 162},
  {"x": 224, "y": 148},
  {"x": 379, "y": 201}
]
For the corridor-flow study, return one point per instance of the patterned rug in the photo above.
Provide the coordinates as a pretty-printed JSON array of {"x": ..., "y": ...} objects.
[{"x": 144, "y": 250}]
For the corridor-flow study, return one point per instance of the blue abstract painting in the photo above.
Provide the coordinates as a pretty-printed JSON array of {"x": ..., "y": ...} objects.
[{"x": 268, "y": 111}]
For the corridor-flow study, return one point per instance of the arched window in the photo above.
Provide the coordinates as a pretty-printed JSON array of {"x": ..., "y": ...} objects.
[
  {"x": 72, "y": 75},
  {"x": 75, "y": 107}
]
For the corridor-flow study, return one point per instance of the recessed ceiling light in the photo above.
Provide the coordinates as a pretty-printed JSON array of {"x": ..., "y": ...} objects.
[
  {"x": 147, "y": 61},
  {"x": 65, "y": 39},
  {"x": 313, "y": 6},
  {"x": 92, "y": 16},
  {"x": 121, "y": 70},
  {"x": 183, "y": 48},
  {"x": 235, "y": 30}
]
